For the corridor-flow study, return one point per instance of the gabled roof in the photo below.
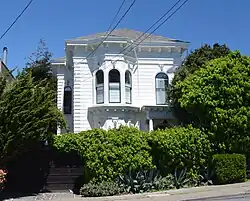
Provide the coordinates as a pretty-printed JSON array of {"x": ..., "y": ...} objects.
[{"x": 128, "y": 34}]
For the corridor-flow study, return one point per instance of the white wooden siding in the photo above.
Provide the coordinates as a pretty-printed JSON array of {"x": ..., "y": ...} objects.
[
  {"x": 82, "y": 96},
  {"x": 60, "y": 93}
]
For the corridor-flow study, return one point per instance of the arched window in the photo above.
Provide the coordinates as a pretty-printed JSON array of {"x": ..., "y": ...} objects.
[
  {"x": 114, "y": 86},
  {"x": 99, "y": 87},
  {"x": 161, "y": 85},
  {"x": 128, "y": 87},
  {"x": 67, "y": 100}
]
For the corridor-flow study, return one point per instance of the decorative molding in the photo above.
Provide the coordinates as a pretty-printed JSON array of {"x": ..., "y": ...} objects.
[
  {"x": 67, "y": 83},
  {"x": 161, "y": 67},
  {"x": 172, "y": 69}
]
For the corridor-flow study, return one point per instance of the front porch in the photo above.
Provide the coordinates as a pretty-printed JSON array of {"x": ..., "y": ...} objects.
[{"x": 159, "y": 116}]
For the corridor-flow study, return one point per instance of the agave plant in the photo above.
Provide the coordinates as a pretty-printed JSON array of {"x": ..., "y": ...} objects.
[
  {"x": 180, "y": 179},
  {"x": 138, "y": 182},
  {"x": 206, "y": 177}
]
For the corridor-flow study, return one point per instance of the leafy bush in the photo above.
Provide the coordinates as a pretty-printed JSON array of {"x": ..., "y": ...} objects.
[
  {"x": 180, "y": 178},
  {"x": 67, "y": 149},
  {"x": 109, "y": 153},
  {"x": 144, "y": 181},
  {"x": 229, "y": 168},
  {"x": 179, "y": 147},
  {"x": 164, "y": 183},
  {"x": 217, "y": 95},
  {"x": 104, "y": 188}
]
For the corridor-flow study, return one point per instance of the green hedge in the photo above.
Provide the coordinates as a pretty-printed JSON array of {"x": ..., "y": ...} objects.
[
  {"x": 106, "y": 154},
  {"x": 179, "y": 147},
  {"x": 67, "y": 149},
  {"x": 110, "y": 153},
  {"x": 229, "y": 168}
]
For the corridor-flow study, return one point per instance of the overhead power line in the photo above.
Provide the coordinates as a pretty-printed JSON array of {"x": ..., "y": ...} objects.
[
  {"x": 117, "y": 13},
  {"x": 131, "y": 5},
  {"x": 145, "y": 32},
  {"x": 148, "y": 35},
  {"x": 162, "y": 23},
  {"x": 14, "y": 22}
]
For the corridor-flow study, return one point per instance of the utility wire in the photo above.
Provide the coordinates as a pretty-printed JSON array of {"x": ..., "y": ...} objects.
[
  {"x": 7, "y": 30},
  {"x": 131, "y": 5},
  {"x": 163, "y": 22},
  {"x": 117, "y": 13},
  {"x": 145, "y": 32}
]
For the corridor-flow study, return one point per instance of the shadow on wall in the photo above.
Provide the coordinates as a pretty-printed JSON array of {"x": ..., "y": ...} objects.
[{"x": 99, "y": 121}]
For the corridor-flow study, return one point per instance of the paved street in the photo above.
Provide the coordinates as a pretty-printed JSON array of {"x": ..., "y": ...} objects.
[
  {"x": 243, "y": 197},
  {"x": 233, "y": 192}
]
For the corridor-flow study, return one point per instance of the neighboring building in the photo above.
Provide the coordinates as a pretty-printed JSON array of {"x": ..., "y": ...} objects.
[
  {"x": 3, "y": 66},
  {"x": 110, "y": 87}
]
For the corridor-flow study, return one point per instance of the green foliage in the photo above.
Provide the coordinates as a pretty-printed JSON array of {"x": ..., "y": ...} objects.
[
  {"x": 218, "y": 95},
  {"x": 193, "y": 62},
  {"x": 105, "y": 188},
  {"x": 180, "y": 178},
  {"x": 67, "y": 149},
  {"x": 2, "y": 84},
  {"x": 27, "y": 115},
  {"x": 39, "y": 67},
  {"x": 164, "y": 183},
  {"x": 109, "y": 153},
  {"x": 229, "y": 168},
  {"x": 179, "y": 147},
  {"x": 144, "y": 181},
  {"x": 68, "y": 143}
]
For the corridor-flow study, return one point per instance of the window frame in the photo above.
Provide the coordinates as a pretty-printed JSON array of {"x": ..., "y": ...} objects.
[
  {"x": 69, "y": 110},
  {"x": 99, "y": 85},
  {"x": 166, "y": 85},
  {"x": 114, "y": 82},
  {"x": 128, "y": 86}
]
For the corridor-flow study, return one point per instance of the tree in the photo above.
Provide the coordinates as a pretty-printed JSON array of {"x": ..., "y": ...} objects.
[
  {"x": 2, "y": 84},
  {"x": 193, "y": 62},
  {"x": 218, "y": 96},
  {"x": 39, "y": 66},
  {"x": 28, "y": 115}
]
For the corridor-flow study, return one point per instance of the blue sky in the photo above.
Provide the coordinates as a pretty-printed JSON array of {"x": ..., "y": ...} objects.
[{"x": 199, "y": 21}]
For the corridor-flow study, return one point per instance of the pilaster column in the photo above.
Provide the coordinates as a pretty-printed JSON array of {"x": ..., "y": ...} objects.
[
  {"x": 106, "y": 85},
  {"x": 151, "y": 125},
  {"x": 60, "y": 94}
]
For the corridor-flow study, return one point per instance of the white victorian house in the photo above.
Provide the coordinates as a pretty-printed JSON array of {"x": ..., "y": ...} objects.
[{"x": 124, "y": 82}]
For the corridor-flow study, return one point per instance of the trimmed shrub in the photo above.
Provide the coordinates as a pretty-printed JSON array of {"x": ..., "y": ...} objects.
[
  {"x": 67, "y": 149},
  {"x": 229, "y": 168},
  {"x": 104, "y": 188},
  {"x": 179, "y": 147},
  {"x": 110, "y": 153}
]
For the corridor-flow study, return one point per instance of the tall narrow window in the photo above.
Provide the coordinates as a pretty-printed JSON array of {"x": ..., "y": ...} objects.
[
  {"x": 128, "y": 87},
  {"x": 114, "y": 86},
  {"x": 67, "y": 101},
  {"x": 161, "y": 84},
  {"x": 99, "y": 87}
]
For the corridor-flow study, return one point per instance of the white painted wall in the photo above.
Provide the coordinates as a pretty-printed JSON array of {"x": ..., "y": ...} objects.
[
  {"x": 82, "y": 94},
  {"x": 82, "y": 76}
]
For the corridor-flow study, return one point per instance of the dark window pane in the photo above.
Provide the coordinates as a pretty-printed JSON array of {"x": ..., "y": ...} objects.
[
  {"x": 114, "y": 76},
  {"x": 99, "y": 77},
  {"x": 67, "y": 102}
]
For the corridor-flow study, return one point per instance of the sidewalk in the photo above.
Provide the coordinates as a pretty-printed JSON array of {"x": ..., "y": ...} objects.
[{"x": 170, "y": 195}]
